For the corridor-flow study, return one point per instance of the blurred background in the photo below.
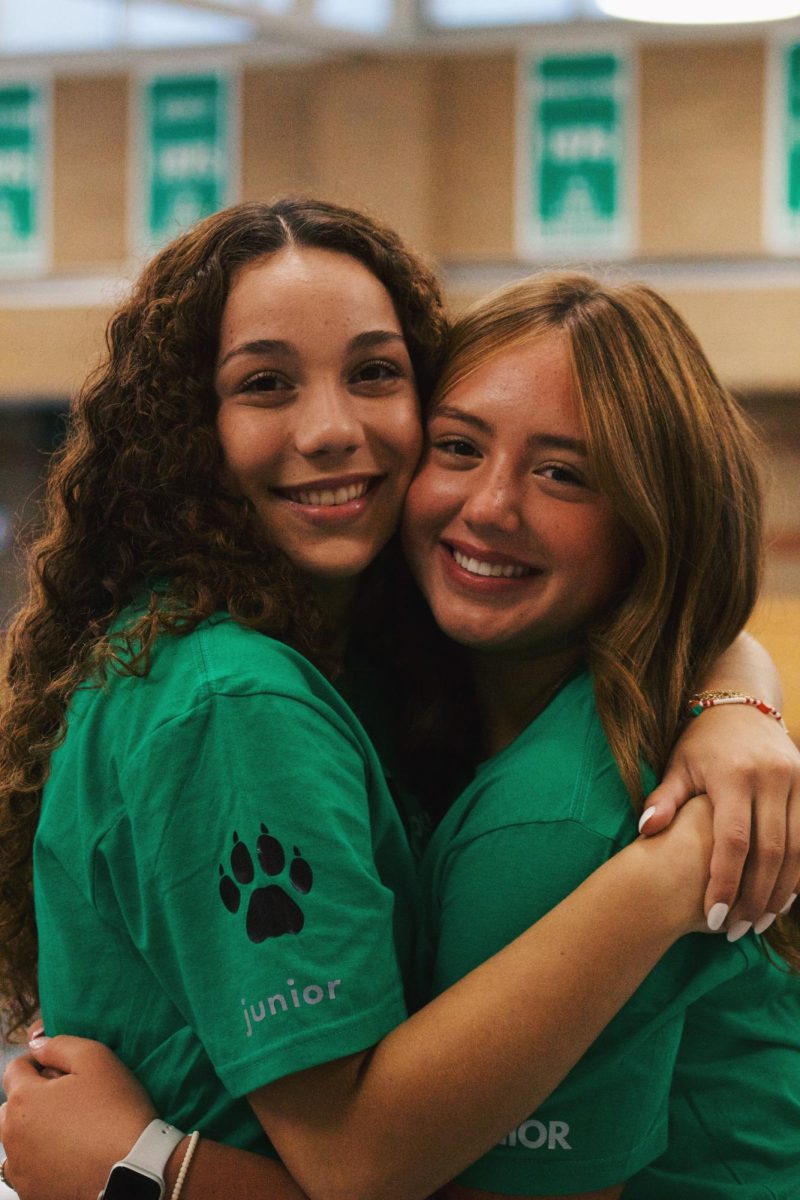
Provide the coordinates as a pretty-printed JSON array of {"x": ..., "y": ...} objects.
[{"x": 496, "y": 135}]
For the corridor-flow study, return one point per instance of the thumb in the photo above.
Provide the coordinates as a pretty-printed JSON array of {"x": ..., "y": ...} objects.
[
  {"x": 63, "y": 1053},
  {"x": 664, "y": 801}
]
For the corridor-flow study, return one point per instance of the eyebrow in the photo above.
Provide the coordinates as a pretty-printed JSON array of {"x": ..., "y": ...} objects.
[
  {"x": 361, "y": 341},
  {"x": 547, "y": 441}
]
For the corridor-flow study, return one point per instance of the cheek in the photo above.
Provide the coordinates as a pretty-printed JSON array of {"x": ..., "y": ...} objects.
[
  {"x": 430, "y": 505},
  {"x": 231, "y": 455},
  {"x": 404, "y": 436},
  {"x": 252, "y": 446},
  {"x": 609, "y": 547},
  {"x": 237, "y": 463},
  {"x": 417, "y": 517}
]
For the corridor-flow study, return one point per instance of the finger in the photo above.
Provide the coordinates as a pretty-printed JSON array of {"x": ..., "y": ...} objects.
[
  {"x": 4, "y": 1176},
  {"x": 60, "y": 1053},
  {"x": 20, "y": 1072},
  {"x": 36, "y": 1027},
  {"x": 69, "y": 1055},
  {"x": 3, "y": 1108},
  {"x": 664, "y": 801},
  {"x": 788, "y": 879},
  {"x": 764, "y": 862},
  {"x": 732, "y": 826}
]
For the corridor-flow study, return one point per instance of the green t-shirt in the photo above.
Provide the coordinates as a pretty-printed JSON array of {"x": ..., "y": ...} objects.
[
  {"x": 224, "y": 888},
  {"x": 734, "y": 1107},
  {"x": 537, "y": 819}
]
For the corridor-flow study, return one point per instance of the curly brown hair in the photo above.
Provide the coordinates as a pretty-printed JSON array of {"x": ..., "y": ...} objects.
[{"x": 135, "y": 504}]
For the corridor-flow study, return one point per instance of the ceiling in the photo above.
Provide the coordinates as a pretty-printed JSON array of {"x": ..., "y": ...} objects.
[{"x": 69, "y": 28}]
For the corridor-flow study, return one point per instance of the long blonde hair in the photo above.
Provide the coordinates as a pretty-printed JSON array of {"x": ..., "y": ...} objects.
[{"x": 676, "y": 457}]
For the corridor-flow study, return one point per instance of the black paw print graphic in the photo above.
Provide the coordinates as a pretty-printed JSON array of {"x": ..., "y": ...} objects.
[{"x": 271, "y": 911}]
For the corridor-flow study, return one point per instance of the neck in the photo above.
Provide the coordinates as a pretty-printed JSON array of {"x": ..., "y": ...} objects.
[
  {"x": 512, "y": 689},
  {"x": 335, "y": 599}
]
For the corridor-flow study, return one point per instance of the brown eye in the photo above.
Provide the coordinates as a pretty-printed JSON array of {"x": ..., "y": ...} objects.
[
  {"x": 377, "y": 371},
  {"x": 456, "y": 447},
  {"x": 562, "y": 474},
  {"x": 264, "y": 381}
]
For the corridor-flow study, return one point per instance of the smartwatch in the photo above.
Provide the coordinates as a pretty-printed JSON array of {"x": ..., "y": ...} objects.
[{"x": 140, "y": 1174}]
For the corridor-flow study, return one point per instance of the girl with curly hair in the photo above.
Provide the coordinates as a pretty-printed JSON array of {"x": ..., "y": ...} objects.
[{"x": 224, "y": 885}]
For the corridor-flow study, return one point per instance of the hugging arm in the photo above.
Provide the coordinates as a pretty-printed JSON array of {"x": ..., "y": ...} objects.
[
  {"x": 750, "y": 770},
  {"x": 396, "y": 1122}
]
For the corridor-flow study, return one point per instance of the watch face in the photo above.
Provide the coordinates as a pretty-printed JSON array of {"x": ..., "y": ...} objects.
[{"x": 126, "y": 1184}]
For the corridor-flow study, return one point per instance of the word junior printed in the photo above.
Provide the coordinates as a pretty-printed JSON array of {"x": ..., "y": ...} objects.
[{"x": 312, "y": 994}]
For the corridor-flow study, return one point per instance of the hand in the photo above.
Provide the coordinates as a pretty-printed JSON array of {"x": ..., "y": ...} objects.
[
  {"x": 63, "y": 1134},
  {"x": 750, "y": 770}
]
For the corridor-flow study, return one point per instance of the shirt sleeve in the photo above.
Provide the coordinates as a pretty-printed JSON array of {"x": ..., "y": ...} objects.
[
  {"x": 243, "y": 870},
  {"x": 609, "y": 1116}
]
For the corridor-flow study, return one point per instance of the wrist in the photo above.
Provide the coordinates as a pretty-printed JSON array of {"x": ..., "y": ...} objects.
[
  {"x": 700, "y": 702},
  {"x": 140, "y": 1174},
  {"x": 174, "y": 1164}
]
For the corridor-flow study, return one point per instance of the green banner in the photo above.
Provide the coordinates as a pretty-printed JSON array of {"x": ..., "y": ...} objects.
[
  {"x": 188, "y": 152},
  {"x": 23, "y": 245},
  {"x": 576, "y": 154},
  {"x": 784, "y": 151}
]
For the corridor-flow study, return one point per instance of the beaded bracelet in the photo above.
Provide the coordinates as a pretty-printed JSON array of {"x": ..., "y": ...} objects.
[
  {"x": 187, "y": 1158},
  {"x": 703, "y": 700}
]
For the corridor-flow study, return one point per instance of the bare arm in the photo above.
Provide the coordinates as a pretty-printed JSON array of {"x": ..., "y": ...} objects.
[
  {"x": 400, "y": 1120},
  {"x": 750, "y": 770}
]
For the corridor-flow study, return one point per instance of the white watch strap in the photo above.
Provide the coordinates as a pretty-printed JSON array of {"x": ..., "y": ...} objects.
[{"x": 151, "y": 1151}]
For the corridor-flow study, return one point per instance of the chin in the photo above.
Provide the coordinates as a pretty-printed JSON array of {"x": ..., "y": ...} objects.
[
  {"x": 469, "y": 636},
  {"x": 338, "y": 571}
]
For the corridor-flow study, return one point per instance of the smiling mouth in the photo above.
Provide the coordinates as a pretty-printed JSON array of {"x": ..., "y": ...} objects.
[
  {"x": 489, "y": 570},
  {"x": 327, "y": 497}
]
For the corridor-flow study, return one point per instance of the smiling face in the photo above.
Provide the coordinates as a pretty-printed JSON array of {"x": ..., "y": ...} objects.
[
  {"x": 318, "y": 414},
  {"x": 507, "y": 536}
]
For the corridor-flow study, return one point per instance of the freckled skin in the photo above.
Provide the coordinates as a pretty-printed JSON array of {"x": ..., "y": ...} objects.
[
  {"x": 518, "y": 485},
  {"x": 308, "y": 402}
]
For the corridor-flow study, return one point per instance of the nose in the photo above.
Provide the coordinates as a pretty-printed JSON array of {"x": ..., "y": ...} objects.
[
  {"x": 493, "y": 501},
  {"x": 328, "y": 423}
]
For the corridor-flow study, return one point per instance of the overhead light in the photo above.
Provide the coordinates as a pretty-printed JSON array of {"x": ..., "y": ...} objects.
[{"x": 700, "y": 12}]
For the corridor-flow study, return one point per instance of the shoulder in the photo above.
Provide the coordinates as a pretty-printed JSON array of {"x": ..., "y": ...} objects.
[
  {"x": 229, "y": 657},
  {"x": 191, "y": 674}
]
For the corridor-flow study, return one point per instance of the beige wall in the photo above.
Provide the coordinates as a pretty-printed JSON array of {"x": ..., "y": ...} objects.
[
  {"x": 428, "y": 143},
  {"x": 90, "y": 169},
  {"x": 46, "y": 352},
  {"x": 702, "y": 113}
]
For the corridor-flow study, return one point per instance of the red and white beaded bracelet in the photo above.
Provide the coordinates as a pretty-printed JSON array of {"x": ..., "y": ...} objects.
[{"x": 703, "y": 700}]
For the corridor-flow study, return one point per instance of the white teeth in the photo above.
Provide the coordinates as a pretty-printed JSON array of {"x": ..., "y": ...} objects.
[
  {"x": 493, "y": 570},
  {"x": 330, "y": 497}
]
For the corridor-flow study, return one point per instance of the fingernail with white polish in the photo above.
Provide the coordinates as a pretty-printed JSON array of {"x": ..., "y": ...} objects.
[
  {"x": 646, "y": 815},
  {"x": 763, "y": 923},
  {"x": 738, "y": 929},
  {"x": 716, "y": 916},
  {"x": 788, "y": 904}
]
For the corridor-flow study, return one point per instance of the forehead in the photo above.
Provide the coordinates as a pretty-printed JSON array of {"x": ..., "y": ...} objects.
[
  {"x": 298, "y": 285},
  {"x": 531, "y": 380}
]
